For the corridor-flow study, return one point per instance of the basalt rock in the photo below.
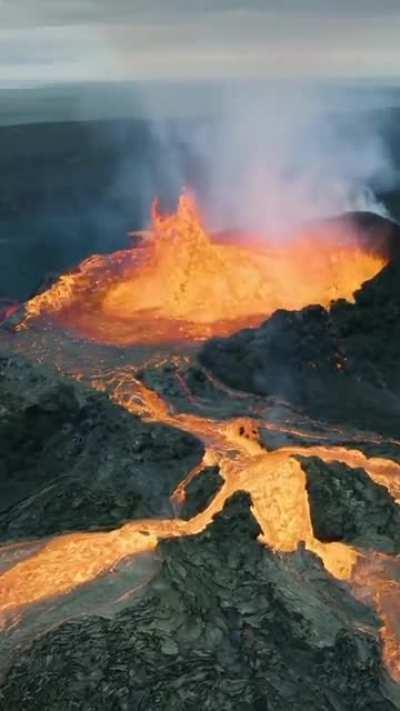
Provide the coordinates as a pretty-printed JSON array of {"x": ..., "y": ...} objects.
[
  {"x": 189, "y": 388},
  {"x": 226, "y": 624},
  {"x": 346, "y": 505},
  {"x": 201, "y": 491},
  {"x": 341, "y": 365},
  {"x": 73, "y": 460}
]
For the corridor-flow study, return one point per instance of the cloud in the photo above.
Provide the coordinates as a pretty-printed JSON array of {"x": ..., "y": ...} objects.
[
  {"x": 183, "y": 39},
  {"x": 25, "y": 13}
]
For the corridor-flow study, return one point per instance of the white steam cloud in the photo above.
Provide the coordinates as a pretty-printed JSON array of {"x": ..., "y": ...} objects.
[{"x": 276, "y": 156}]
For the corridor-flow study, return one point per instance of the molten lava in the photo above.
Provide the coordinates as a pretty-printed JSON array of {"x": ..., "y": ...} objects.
[
  {"x": 276, "y": 483},
  {"x": 184, "y": 284}
]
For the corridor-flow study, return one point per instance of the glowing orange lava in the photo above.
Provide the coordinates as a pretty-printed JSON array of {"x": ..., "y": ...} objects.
[
  {"x": 276, "y": 483},
  {"x": 184, "y": 284}
]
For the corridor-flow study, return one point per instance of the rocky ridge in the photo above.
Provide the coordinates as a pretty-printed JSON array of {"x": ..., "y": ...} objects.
[
  {"x": 227, "y": 624},
  {"x": 73, "y": 460}
]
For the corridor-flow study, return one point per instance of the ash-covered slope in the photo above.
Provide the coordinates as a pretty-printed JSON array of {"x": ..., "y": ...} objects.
[
  {"x": 341, "y": 364},
  {"x": 73, "y": 460},
  {"x": 226, "y": 624}
]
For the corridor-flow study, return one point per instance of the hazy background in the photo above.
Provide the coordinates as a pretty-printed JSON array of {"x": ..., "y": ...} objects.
[
  {"x": 80, "y": 40},
  {"x": 274, "y": 111}
]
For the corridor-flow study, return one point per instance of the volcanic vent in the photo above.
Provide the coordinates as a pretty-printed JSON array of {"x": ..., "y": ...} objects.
[
  {"x": 183, "y": 283},
  {"x": 265, "y": 572}
]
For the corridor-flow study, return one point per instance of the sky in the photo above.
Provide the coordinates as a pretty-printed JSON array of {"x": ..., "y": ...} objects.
[{"x": 98, "y": 40}]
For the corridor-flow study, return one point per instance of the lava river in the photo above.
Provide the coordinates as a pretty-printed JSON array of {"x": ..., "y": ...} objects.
[
  {"x": 277, "y": 485},
  {"x": 145, "y": 295}
]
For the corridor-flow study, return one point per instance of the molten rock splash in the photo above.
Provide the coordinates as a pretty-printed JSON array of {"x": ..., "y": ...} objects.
[{"x": 184, "y": 284}]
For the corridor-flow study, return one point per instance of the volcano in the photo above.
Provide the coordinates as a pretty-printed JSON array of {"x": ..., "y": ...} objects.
[{"x": 191, "y": 523}]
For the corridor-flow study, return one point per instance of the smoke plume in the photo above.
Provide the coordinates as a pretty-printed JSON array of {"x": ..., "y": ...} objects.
[{"x": 270, "y": 157}]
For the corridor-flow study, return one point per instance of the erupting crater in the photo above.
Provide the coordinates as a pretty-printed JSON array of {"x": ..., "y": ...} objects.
[{"x": 182, "y": 283}]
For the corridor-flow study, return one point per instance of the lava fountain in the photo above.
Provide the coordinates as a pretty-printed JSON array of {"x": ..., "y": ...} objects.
[{"x": 182, "y": 283}]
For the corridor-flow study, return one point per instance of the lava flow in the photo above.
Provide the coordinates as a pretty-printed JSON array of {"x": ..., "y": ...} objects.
[
  {"x": 184, "y": 284},
  {"x": 276, "y": 483}
]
